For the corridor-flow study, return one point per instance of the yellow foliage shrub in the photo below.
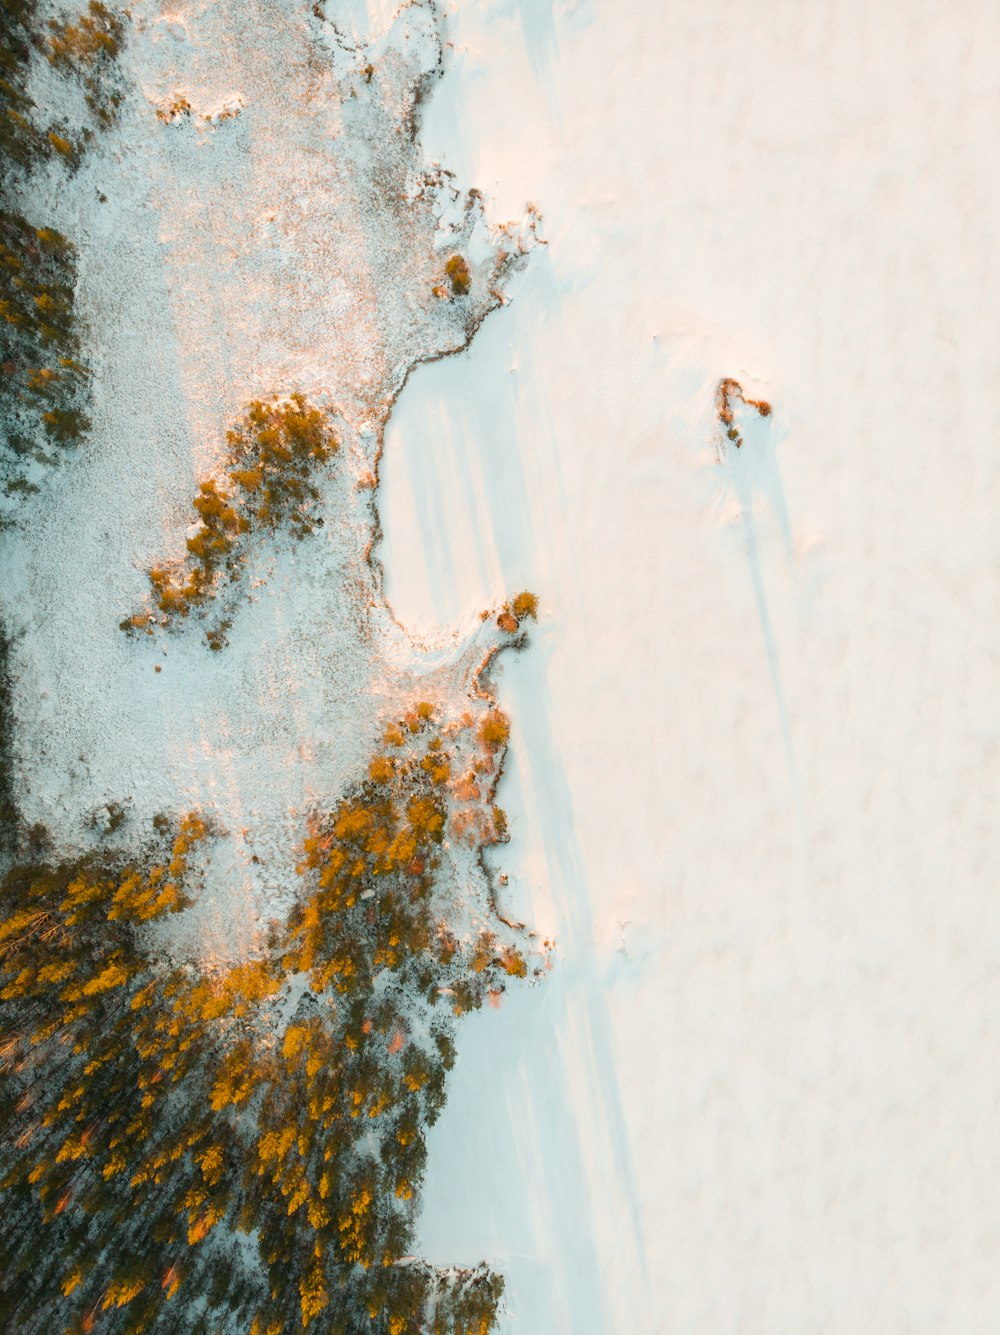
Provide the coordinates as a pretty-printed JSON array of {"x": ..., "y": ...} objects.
[
  {"x": 525, "y": 605},
  {"x": 494, "y": 731},
  {"x": 457, "y": 269},
  {"x": 273, "y": 451}
]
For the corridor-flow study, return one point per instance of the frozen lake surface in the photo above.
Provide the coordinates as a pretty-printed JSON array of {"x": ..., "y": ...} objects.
[{"x": 754, "y": 774}]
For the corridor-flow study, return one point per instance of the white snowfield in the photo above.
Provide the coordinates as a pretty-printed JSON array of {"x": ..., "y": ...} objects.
[{"x": 754, "y": 773}]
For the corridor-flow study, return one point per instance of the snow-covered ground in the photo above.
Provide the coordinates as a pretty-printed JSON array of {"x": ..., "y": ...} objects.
[
  {"x": 754, "y": 778},
  {"x": 260, "y": 222}
]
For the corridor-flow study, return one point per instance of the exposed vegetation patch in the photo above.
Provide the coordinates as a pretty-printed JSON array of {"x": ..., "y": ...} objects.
[
  {"x": 22, "y": 143},
  {"x": 726, "y": 394},
  {"x": 523, "y": 607},
  {"x": 87, "y": 47},
  {"x": 8, "y": 805},
  {"x": 43, "y": 384},
  {"x": 43, "y": 378},
  {"x": 274, "y": 451},
  {"x": 228, "y": 112},
  {"x": 459, "y": 279},
  {"x": 177, "y": 107},
  {"x": 459, "y": 275},
  {"x": 156, "y": 1116}
]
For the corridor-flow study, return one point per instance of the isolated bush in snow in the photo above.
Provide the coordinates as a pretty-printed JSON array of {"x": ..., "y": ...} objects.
[{"x": 457, "y": 269}]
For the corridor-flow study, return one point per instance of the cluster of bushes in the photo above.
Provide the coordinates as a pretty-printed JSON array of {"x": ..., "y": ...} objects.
[
  {"x": 8, "y": 806},
  {"x": 274, "y": 450},
  {"x": 523, "y": 607},
  {"x": 240, "y": 1149},
  {"x": 87, "y": 47},
  {"x": 22, "y": 143},
  {"x": 44, "y": 380},
  {"x": 725, "y": 395},
  {"x": 177, "y": 107},
  {"x": 459, "y": 277},
  {"x": 385, "y": 841},
  {"x": 43, "y": 383}
]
